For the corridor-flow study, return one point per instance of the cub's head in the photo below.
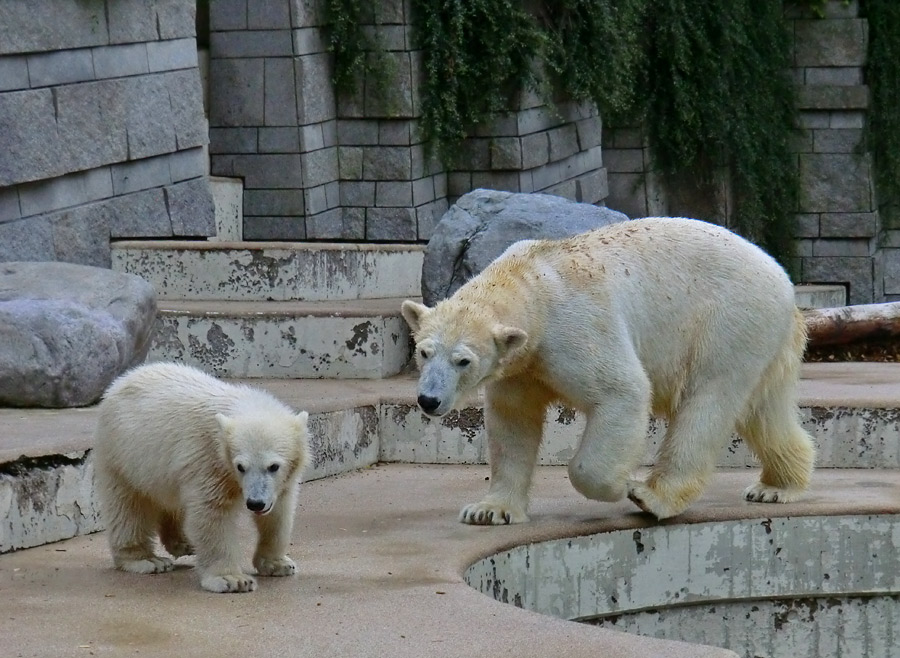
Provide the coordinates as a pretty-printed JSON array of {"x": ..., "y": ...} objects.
[
  {"x": 266, "y": 452},
  {"x": 456, "y": 351}
]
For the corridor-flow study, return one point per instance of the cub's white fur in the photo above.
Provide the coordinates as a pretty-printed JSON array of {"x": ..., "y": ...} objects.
[
  {"x": 180, "y": 454},
  {"x": 675, "y": 317}
]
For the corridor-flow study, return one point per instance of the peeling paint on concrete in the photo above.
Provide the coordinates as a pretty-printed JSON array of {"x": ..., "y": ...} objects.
[
  {"x": 845, "y": 438},
  {"x": 697, "y": 582},
  {"x": 297, "y": 271},
  {"x": 837, "y": 627},
  {"x": 282, "y": 346},
  {"x": 342, "y": 441},
  {"x": 46, "y": 500}
]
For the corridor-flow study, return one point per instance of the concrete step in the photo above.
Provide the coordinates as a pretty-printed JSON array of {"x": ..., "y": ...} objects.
[
  {"x": 360, "y": 339},
  {"x": 277, "y": 271},
  {"x": 46, "y": 467}
]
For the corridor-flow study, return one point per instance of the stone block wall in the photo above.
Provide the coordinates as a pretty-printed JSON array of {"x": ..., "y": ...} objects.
[
  {"x": 838, "y": 225},
  {"x": 101, "y": 127},
  {"x": 537, "y": 149},
  {"x": 840, "y": 237},
  {"x": 272, "y": 113},
  {"x": 354, "y": 166}
]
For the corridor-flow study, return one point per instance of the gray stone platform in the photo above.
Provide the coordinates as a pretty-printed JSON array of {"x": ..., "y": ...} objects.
[{"x": 378, "y": 544}]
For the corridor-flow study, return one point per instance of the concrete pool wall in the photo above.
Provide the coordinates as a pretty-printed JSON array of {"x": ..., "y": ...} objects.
[{"x": 795, "y": 587}]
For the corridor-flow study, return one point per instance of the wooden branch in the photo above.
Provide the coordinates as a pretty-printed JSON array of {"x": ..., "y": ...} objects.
[{"x": 848, "y": 324}]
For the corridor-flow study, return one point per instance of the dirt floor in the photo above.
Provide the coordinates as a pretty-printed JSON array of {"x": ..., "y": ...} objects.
[{"x": 886, "y": 350}]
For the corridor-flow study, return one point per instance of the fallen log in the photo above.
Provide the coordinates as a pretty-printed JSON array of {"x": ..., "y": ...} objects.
[{"x": 849, "y": 324}]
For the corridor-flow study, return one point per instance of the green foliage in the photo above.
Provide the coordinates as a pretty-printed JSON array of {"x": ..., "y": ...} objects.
[
  {"x": 709, "y": 85},
  {"x": 345, "y": 37},
  {"x": 883, "y": 129},
  {"x": 347, "y": 41},
  {"x": 478, "y": 54},
  {"x": 718, "y": 95},
  {"x": 596, "y": 50}
]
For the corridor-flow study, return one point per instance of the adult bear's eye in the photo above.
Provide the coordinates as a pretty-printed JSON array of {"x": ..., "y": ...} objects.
[
  {"x": 423, "y": 354},
  {"x": 241, "y": 468},
  {"x": 463, "y": 363},
  {"x": 273, "y": 468}
]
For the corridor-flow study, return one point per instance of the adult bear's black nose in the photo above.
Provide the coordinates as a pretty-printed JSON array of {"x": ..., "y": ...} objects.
[
  {"x": 428, "y": 403},
  {"x": 255, "y": 505}
]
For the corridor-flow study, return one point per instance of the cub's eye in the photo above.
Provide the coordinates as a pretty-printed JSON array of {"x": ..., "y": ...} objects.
[
  {"x": 462, "y": 363},
  {"x": 423, "y": 354},
  {"x": 273, "y": 468},
  {"x": 241, "y": 468}
]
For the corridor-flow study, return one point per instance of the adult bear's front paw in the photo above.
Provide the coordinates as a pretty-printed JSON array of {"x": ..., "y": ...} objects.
[{"x": 484, "y": 513}]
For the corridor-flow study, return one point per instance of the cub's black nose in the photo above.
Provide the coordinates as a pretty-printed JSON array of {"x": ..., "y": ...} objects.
[
  {"x": 428, "y": 403},
  {"x": 255, "y": 505}
]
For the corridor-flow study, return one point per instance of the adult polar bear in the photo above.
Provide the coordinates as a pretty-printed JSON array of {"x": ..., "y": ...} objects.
[{"x": 676, "y": 317}]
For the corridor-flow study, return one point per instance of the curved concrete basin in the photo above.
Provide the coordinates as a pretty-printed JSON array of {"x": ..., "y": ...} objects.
[{"x": 793, "y": 587}]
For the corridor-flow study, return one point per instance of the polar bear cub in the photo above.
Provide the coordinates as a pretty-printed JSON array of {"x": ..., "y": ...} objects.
[
  {"x": 674, "y": 317},
  {"x": 181, "y": 455}
]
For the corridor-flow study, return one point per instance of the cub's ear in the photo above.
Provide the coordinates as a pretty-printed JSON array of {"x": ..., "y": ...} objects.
[
  {"x": 226, "y": 424},
  {"x": 509, "y": 340},
  {"x": 300, "y": 422},
  {"x": 414, "y": 313},
  {"x": 227, "y": 427}
]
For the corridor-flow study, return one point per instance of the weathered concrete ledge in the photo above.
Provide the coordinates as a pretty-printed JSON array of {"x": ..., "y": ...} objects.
[
  {"x": 382, "y": 558},
  {"x": 46, "y": 488},
  {"x": 278, "y": 271},
  {"x": 773, "y": 587}
]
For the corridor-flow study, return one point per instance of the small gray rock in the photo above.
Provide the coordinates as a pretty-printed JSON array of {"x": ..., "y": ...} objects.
[
  {"x": 483, "y": 223},
  {"x": 66, "y": 331}
]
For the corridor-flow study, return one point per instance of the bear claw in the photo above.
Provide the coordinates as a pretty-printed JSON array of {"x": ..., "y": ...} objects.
[
  {"x": 763, "y": 493},
  {"x": 148, "y": 565},
  {"x": 228, "y": 583},
  {"x": 488, "y": 514}
]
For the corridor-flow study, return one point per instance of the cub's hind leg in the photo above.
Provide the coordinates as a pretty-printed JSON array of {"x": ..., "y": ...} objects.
[
  {"x": 131, "y": 524},
  {"x": 171, "y": 534}
]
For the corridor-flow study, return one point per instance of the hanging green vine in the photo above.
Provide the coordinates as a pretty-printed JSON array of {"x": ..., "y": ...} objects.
[
  {"x": 347, "y": 41},
  {"x": 710, "y": 86},
  {"x": 478, "y": 54},
  {"x": 719, "y": 95},
  {"x": 883, "y": 128}
]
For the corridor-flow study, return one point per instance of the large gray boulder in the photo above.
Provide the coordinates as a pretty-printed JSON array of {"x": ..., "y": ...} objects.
[
  {"x": 66, "y": 331},
  {"x": 483, "y": 223}
]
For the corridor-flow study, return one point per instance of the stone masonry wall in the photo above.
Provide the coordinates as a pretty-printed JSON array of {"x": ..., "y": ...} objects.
[
  {"x": 839, "y": 234},
  {"x": 317, "y": 165},
  {"x": 101, "y": 127}
]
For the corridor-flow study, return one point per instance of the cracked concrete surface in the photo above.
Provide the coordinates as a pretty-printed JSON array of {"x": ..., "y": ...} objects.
[{"x": 381, "y": 554}]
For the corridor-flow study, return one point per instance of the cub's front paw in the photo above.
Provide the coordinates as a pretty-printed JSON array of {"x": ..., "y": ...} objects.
[
  {"x": 153, "y": 564},
  {"x": 178, "y": 549},
  {"x": 228, "y": 583},
  {"x": 484, "y": 513},
  {"x": 280, "y": 566}
]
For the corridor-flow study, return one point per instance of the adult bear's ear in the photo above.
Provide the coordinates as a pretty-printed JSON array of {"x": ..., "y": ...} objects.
[
  {"x": 509, "y": 340},
  {"x": 414, "y": 313}
]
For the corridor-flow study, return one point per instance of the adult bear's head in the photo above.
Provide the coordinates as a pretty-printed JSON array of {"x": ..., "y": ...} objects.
[{"x": 458, "y": 348}]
